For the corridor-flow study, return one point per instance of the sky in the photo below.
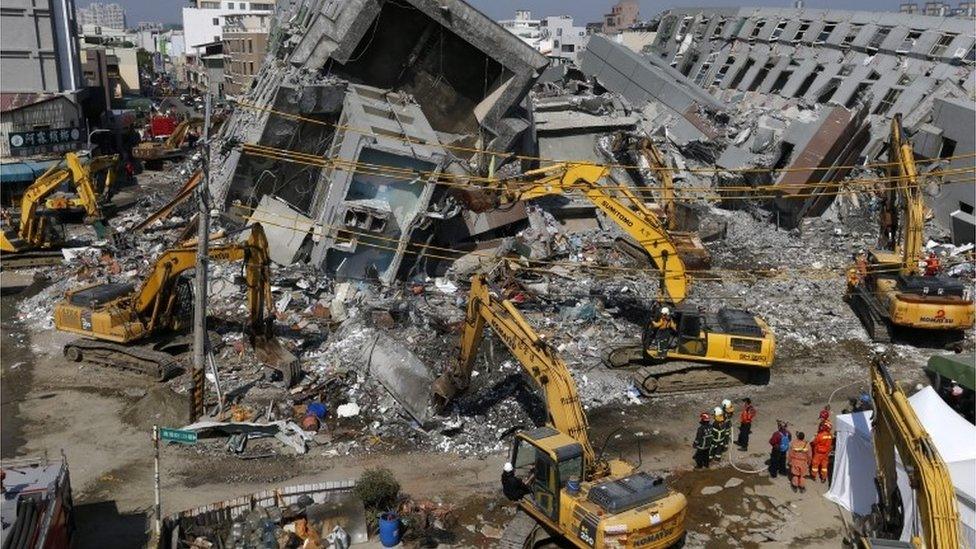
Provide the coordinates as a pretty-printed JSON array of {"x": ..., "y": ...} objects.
[{"x": 170, "y": 11}]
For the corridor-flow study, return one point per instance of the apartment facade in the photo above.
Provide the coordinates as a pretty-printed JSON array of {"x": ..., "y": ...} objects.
[
  {"x": 623, "y": 15},
  {"x": 39, "y": 47},
  {"x": 245, "y": 44},
  {"x": 525, "y": 27},
  {"x": 562, "y": 40},
  {"x": 102, "y": 15},
  {"x": 204, "y": 23}
]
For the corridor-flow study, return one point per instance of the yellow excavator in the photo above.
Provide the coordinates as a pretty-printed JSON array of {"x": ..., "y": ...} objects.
[
  {"x": 896, "y": 427},
  {"x": 138, "y": 328},
  {"x": 33, "y": 230},
  {"x": 154, "y": 153},
  {"x": 572, "y": 492},
  {"x": 90, "y": 195},
  {"x": 740, "y": 342},
  {"x": 885, "y": 288}
]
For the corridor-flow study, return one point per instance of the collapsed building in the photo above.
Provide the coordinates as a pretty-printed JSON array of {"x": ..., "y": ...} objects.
[
  {"x": 872, "y": 63},
  {"x": 376, "y": 88}
]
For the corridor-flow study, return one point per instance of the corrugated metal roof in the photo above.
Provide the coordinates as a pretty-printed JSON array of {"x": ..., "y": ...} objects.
[{"x": 24, "y": 171}]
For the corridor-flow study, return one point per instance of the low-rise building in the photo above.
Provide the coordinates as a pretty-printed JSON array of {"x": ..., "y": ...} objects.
[
  {"x": 624, "y": 14},
  {"x": 525, "y": 27},
  {"x": 205, "y": 69},
  {"x": 245, "y": 44},
  {"x": 38, "y": 125},
  {"x": 561, "y": 39}
]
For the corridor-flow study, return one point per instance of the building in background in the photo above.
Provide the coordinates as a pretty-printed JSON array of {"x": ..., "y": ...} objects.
[
  {"x": 919, "y": 66},
  {"x": 102, "y": 15},
  {"x": 526, "y": 28},
  {"x": 39, "y": 47},
  {"x": 203, "y": 31},
  {"x": 41, "y": 85},
  {"x": 638, "y": 37},
  {"x": 623, "y": 14},
  {"x": 245, "y": 43},
  {"x": 561, "y": 40}
]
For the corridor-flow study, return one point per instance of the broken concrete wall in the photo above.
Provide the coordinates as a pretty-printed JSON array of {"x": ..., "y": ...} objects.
[
  {"x": 954, "y": 202},
  {"x": 375, "y": 195}
]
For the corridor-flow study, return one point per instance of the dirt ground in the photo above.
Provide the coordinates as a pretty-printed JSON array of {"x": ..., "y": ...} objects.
[{"x": 100, "y": 419}]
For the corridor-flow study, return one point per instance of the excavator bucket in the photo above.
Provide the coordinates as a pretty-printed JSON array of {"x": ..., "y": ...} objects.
[{"x": 271, "y": 352}]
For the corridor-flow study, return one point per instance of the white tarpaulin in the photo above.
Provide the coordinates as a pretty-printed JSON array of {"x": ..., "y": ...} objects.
[{"x": 854, "y": 466}]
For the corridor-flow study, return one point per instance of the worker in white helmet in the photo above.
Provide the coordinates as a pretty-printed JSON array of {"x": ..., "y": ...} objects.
[
  {"x": 721, "y": 434},
  {"x": 513, "y": 487},
  {"x": 662, "y": 332}
]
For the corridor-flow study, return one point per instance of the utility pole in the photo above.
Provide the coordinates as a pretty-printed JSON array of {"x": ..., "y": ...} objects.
[{"x": 200, "y": 350}]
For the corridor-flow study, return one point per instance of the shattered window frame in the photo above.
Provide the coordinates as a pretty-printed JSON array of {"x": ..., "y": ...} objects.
[
  {"x": 888, "y": 101},
  {"x": 852, "y": 34},
  {"x": 879, "y": 36},
  {"x": 908, "y": 44},
  {"x": 825, "y": 32},
  {"x": 778, "y": 31},
  {"x": 942, "y": 44},
  {"x": 802, "y": 31},
  {"x": 719, "y": 27},
  {"x": 905, "y": 79},
  {"x": 757, "y": 28}
]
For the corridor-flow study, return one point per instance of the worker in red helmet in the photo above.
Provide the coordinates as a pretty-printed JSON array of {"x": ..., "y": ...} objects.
[{"x": 702, "y": 444}]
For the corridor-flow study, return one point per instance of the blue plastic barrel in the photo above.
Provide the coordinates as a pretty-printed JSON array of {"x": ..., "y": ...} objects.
[
  {"x": 317, "y": 409},
  {"x": 390, "y": 529}
]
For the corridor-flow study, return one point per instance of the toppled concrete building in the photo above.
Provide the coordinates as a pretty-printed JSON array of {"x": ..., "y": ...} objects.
[
  {"x": 887, "y": 63},
  {"x": 371, "y": 82}
]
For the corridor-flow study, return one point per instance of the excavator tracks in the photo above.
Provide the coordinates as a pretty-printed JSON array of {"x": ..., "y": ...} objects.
[
  {"x": 157, "y": 364},
  {"x": 24, "y": 260},
  {"x": 678, "y": 377},
  {"x": 867, "y": 311},
  {"x": 518, "y": 532}
]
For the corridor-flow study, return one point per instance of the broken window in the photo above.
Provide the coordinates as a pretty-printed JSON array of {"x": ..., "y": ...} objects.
[
  {"x": 828, "y": 91},
  {"x": 826, "y": 32},
  {"x": 804, "y": 27},
  {"x": 965, "y": 207},
  {"x": 851, "y": 34},
  {"x": 763, "y": 73},
  {"x": 908, "y": 44},
  {"x": 723, "y": 70},
  {"x": 778, "y": 30},
  {"x": 949, "y": 149},
  {"x": 568, "y": 48},
  {"x": 757, "y": 28},
  {"x": 682, "y": 29},
  {"x": 845, "y": 70},
  {"x": 971, "y": 54},
  {"x": 942, "y": 44},
  {"x": 888, "y": 101},
  {"x": 874, "y": 76},
  {"x": 719, "y": 27},
  {"x": 703, "y": 71},
  {"x": 905, "y": 79},
  {"x": 808, "y": 81},
  {"x": 742, "y": 73},
  {"x": 879, "y": 37},
  {"x": 857, "y": 95},
  {"x": 781, "y": 80}
]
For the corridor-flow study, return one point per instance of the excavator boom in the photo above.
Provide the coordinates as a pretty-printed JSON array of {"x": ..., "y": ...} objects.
[
  {"x": 621, "y": 205},
  {"x": 896, "y": 427}
]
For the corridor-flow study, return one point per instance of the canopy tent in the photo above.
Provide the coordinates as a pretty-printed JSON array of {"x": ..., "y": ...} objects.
[{"x": 854, "y": 465}]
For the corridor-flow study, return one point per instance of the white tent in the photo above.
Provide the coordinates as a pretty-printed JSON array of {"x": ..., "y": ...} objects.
[{"x": 854, "y": 466}]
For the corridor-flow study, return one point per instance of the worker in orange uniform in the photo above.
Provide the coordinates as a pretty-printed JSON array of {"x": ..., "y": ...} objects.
[
  {"x": 746, "y": 416},
  {"x": 932, "y": 265},
  {"x": 822, "y": 445},
  {"x": 798, "y": 458},
  {"x": 825, "y": 420}
]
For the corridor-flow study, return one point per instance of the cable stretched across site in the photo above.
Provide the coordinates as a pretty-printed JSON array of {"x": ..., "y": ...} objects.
[
  {"x": 412, "y": 175},
  {"x": 441, "y": 252},
  {"x": 461, "y": 148}
]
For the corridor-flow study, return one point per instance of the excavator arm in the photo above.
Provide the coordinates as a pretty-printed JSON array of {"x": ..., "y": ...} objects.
[
  {"x": 84, "y": 179},
  {"x": 32, "y": 225},
  {"x": 538, "y": 359},
  {"x": 150, "y": 300},
  {"x": 659, "y": 166},
  {"x": 620, "y": 204},
  {"x": 895, "y": 426},
  {"x": 903, "y": 177}
]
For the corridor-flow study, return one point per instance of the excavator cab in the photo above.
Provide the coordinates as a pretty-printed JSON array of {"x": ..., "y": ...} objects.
[{"x": 546, "y": 460}]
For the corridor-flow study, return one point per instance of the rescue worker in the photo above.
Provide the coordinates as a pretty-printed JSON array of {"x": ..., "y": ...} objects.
[
  {"x": 799, "y": 460},
  {"x": 664, "y": 330},
  {"x": 728, "y": 408},
  {"x": 779, "y": 444},
  {"x": 721, "y": 434},
  {"x": 745, "y": 424},
  {"x": 932, "y": 265},
  {"x": 702, "y": 440},
  {"x": 825, "y": 419},
  {"x": 513, "y": 487},
  {"x": 822, "y": 445}
]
